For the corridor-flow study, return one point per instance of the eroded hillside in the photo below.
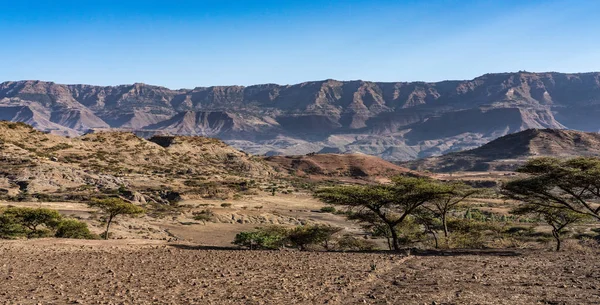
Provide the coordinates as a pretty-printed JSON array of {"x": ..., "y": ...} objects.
[
  {"x": 350, "y": 167},
  {"x": 508, "y": 152},
  {"x": 36, "y": 163}
]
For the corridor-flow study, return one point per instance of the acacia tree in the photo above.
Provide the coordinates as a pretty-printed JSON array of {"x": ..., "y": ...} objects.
[
  {"x": 552, "y": 183},
  {"x": 113, "y": 207},
  {"x": 558, "y": 218},
  {"x": 391, "y": 204},
  {"x": 454, "y": 194},
  {"x": 33, "y": 218}
]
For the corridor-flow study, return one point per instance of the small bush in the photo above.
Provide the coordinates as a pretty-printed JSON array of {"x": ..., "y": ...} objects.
[
  {"x": 469, "y": 233},
  {"x": 71, "y": 228},
  {"x": 225, "y": 205},
  {"x": 328, "y": 209},
  {"x": 272, "y": 237}
]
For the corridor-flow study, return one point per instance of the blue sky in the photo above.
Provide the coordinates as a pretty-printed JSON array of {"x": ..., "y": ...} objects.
[{"x": 184, "y": 44}]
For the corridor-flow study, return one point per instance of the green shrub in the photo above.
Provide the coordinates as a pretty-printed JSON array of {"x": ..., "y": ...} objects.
[
  {"x": 468, "y": 233},
  {"x": 72, "y": 228},
  {"x": 272, "y": 237},
  {"x": 9, "y": 227},
  {"x": 470, "y": 226},
  {"x": 328, "y": 209}
]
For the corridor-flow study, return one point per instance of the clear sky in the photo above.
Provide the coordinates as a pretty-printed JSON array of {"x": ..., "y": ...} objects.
[{"x": 185, "y": 44}]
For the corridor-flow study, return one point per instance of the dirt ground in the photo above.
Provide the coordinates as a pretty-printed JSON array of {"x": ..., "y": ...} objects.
[
  {"x": 50, "y": 271},
  {"x": 251, "y": 211}
]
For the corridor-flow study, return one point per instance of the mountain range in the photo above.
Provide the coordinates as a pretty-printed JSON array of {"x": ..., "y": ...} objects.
[{"x": 396, "y": 121}]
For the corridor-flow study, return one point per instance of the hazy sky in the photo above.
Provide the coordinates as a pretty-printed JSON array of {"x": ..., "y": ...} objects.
[{"x": 185, "y": 44}]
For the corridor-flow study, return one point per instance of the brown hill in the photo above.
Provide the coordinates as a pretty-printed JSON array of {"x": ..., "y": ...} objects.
[
  {"x": 356, "y": 166},
  {"x": 506, "y": 153},
  {"x": 396, "y": 121},
  {"x": 38, "y": 163}
]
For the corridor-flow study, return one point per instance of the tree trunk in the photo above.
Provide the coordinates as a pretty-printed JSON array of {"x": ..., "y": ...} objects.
[
  {"x": 389, "y": 243},
  {"x": 110, "y": 218},
  {"x": 395, "y": 242},
  {"x": 445, "y": 224},
  {"x": 434, "y": 238},
  {"x": 33, "y": 230},
  {"x": 557, "y": 237}
]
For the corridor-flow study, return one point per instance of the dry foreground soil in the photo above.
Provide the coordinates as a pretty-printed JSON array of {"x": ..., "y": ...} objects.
[{"x": 49, "y": 271}]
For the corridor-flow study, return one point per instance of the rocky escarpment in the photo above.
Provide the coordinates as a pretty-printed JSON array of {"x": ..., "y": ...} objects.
[{"x": 397, "y": 121}]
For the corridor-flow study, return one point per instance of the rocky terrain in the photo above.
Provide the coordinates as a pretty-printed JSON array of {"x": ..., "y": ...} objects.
[
  {"x": 395, "y": 121},
  {"x": 160, "y": 169},
  {"x": 508, "y": 152},
  {"x": 137, "y": 272},
  {"x": 325, "y": 166},
  {"x": 174, "y": 177}
]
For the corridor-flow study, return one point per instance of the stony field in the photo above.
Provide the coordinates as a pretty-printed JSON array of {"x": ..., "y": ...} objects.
[{"x": 49, "y": 271}]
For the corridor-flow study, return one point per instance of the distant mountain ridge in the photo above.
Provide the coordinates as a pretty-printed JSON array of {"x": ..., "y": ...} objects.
[
  {"x": 396, "y": 121},
  {"x": 510, "y": 151}
]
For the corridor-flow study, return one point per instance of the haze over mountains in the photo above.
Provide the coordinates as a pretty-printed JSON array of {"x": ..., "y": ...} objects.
[{"x": 395, "y": 121}]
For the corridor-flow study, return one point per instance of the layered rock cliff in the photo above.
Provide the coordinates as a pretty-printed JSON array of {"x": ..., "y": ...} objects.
[{"x": 396, "y": 121}]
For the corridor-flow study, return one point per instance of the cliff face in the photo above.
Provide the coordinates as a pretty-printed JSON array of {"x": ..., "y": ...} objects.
[{"x": 397, "y": 121}]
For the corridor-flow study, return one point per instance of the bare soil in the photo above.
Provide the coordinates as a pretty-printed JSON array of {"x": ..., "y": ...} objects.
[{"x": 49, "y": 271}]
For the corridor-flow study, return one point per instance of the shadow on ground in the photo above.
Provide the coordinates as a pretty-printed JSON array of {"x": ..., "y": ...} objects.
[
  {"x": 463, "y": 252},
  {"x": 415, "y": 252}
]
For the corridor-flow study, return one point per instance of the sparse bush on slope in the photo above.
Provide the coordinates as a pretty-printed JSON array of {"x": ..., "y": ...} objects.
[{"x": 72, "y": 228}]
